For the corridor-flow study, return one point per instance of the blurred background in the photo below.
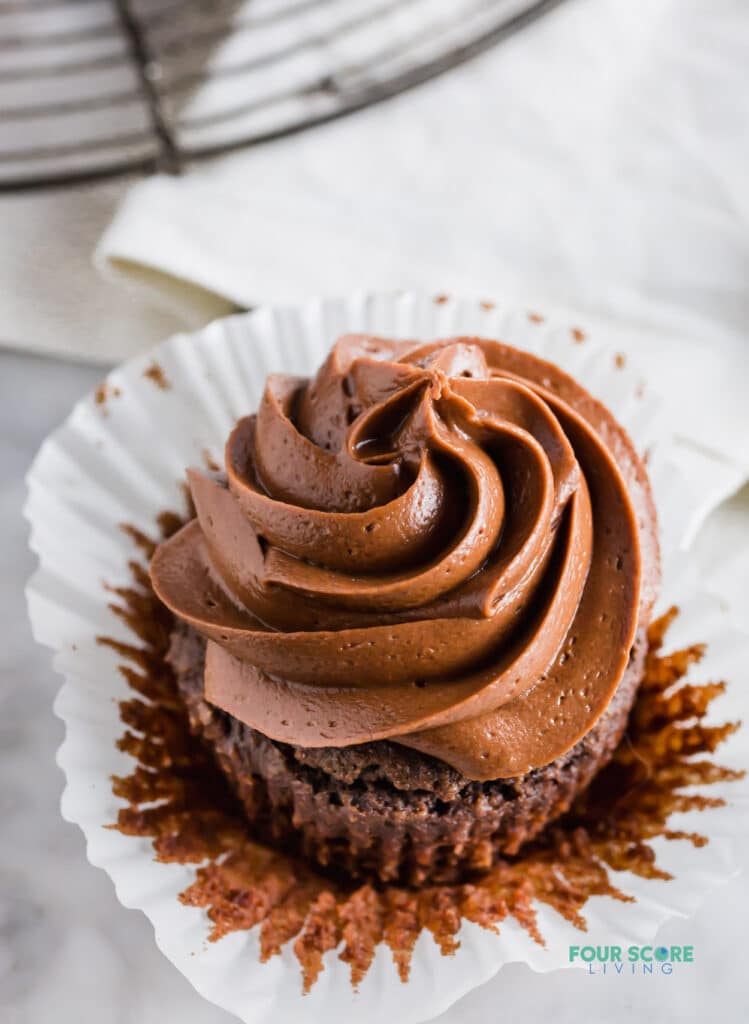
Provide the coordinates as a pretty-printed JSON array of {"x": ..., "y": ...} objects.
[{"x": 164, "y": 162}]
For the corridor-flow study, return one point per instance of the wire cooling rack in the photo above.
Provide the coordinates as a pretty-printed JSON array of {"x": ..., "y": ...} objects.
[{"x": 93, "y": 88}]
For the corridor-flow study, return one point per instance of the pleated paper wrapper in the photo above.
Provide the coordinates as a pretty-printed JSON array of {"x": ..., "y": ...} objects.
[{"x": 121, "y": 457}]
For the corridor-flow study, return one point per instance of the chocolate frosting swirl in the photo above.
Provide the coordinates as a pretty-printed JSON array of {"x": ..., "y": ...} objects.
[{"x": 436, "y": 544}]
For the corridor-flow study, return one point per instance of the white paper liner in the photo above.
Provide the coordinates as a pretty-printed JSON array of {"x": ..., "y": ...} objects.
[{"x": 121, "y": 460}]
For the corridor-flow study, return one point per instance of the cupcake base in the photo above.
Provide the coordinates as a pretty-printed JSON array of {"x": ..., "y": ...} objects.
[{"x": 384, "y": 811}]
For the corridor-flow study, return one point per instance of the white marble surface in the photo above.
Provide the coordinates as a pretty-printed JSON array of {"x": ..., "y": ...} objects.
[{"x": 69, "y": 953}]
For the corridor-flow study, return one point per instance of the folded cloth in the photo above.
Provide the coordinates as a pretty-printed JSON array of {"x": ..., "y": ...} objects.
[
  {"x": 594, "y": 160},
  {"x": 53, "y": 301}
]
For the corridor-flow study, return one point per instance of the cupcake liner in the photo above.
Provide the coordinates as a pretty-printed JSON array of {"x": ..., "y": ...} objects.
[{"x": 120, "y": 458}]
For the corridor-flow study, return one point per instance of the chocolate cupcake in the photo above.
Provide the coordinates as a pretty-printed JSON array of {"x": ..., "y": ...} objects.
[{"x": 411, "y": 615}]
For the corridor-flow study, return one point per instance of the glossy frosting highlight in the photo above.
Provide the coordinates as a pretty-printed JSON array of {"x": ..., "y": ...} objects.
[{"x": 432, "y": 544}]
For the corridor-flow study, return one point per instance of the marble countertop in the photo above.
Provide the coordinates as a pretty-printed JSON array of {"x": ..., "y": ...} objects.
[{"x": 69, "y": 953}]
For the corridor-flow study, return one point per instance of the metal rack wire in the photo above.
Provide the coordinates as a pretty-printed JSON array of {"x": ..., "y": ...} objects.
[{"x": 94, "y": 88}]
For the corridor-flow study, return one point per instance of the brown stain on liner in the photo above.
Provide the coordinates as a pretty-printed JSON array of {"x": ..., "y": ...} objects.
[
  {"x": 210, "y": 462},
  {"x": 177, "y": 796},
  {"x": 103, "y": 393},
  {"x": 155, "y": 373}
]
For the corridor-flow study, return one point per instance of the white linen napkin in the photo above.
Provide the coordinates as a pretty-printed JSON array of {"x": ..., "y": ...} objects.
[
  {"x": 596, "y": 160},
  {"x": 52, "y": 301}
]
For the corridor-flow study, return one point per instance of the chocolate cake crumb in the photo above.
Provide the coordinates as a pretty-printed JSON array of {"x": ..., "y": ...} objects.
[{"x": 382, "y": 810}]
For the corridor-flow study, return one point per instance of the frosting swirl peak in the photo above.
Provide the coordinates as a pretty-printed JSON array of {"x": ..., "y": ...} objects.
[{"x": 435, "y": 544}]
